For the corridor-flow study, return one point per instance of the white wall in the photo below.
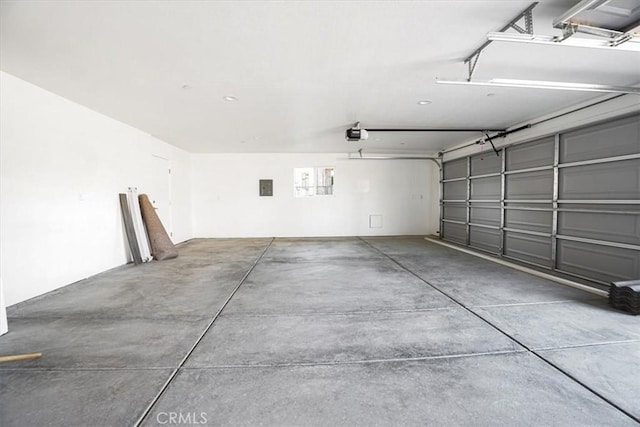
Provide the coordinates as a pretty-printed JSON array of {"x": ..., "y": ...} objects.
[
  {"x": 61, "y": 169},
  {"x": 226, "y": 201},
  {"x": 63, "y": 165}
]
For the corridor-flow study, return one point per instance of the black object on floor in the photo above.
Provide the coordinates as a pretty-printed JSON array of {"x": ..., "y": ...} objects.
[{"x": 625, "y": 296}]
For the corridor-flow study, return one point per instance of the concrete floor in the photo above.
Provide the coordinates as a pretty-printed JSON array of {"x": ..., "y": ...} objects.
[{"x": 336, "y": 331}]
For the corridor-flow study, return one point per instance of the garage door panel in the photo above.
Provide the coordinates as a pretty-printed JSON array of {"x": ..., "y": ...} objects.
[
  {"x": 524, "y": 247},
  {"x": 485, "y": 188},
  {"x": 540, "y": 221},
  {"x": 530, "y": 186},
  {"x": 455, "y": 190},
  {"x": 484, "y": 238},
  {"x": 455, "y": 212},
  {"x": 604, "y": 181},
  {"x": 485, "y": 215},
  {"x": 622, "y": 137},
  {"x": 619, "y": 228},
  {"x": 531, "y": 154},
  {"x": 455, "y": 169},
  {"x": 603, "y": 263},
  {"x": 454, "y": 232},
  {"x": 485, "y": 164}
]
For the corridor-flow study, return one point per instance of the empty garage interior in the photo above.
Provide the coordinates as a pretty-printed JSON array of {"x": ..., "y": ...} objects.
[{"x": 385, "y": 212}]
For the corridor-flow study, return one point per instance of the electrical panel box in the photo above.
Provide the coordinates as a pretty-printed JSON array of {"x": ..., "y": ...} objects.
[{"x": 266, "y": 187}]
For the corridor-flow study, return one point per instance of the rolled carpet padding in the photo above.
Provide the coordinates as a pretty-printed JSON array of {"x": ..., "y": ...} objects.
[{"x": 161, "y": 245}]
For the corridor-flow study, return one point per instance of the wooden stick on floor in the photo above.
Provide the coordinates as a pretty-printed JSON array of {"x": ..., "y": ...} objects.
[{"x": 16, "y": 357}]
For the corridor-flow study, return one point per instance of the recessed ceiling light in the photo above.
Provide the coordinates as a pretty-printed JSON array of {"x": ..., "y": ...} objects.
[
  {"x": 230, "y": 98},
  {"x": 425, "y": 102}
]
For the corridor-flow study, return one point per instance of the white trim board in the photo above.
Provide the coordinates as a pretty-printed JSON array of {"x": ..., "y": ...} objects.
[
  {"x": 561, "y": 121},
  {"x": 138, "y": 224},
  {"x": 4, "y": 327},
  {"x": 531, "y": 271}
]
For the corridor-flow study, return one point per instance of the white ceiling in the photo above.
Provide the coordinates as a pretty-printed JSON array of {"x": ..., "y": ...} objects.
[{"x": 303, "y": 71}]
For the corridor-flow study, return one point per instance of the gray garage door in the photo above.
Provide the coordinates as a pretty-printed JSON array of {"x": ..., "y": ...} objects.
[{"x": 569, "y": 202}]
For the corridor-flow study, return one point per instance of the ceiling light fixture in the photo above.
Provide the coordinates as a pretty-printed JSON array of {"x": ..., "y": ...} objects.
[
  {"x": 425, "y": 102},
  {"x": 230, "y": 98},
  {"x": 583, "y": 6},
  {"x": 538, "y": 84},
  {"x": 632, "y": 45},
  {"x": 610, "y": 15}
]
